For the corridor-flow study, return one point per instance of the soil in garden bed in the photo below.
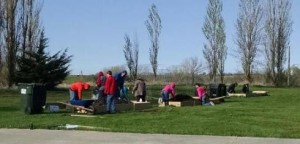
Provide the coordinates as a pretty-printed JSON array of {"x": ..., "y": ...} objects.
[{"x": 181, "y": 97}]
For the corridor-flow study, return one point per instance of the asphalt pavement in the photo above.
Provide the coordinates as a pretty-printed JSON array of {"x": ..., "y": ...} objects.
[{"x": 37, "y": 136}]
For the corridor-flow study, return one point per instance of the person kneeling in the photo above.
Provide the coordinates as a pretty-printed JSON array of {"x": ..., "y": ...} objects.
[{"x": 201, "y": 93}]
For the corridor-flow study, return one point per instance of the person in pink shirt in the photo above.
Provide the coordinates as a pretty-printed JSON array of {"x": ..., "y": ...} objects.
[
  {"x": 201, "y": 93},
  {"x": 166, "y": 91}
]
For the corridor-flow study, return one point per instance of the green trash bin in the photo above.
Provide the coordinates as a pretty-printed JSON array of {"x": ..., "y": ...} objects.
[{"x": 33, "y": 97}]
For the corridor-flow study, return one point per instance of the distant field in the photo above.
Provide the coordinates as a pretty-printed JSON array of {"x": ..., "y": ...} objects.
[{"x": 270, "y": 116}]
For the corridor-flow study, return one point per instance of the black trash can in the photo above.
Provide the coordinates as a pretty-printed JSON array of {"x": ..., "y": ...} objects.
[
  {"x": 221, "y": 90},
  {"x": 213, "y": 90},
  {"x": 33, "y": 97}
]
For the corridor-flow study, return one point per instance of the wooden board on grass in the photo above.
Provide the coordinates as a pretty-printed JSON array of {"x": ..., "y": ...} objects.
[
  {"x": 77, "y": 107},
  {"x": 236, "y": 94},
  {"x": 217, "y": 100},
  {"x": 259, "y": 93},
  {"x": 180, "y": 103},
  {"x": 140, "y": 105}
]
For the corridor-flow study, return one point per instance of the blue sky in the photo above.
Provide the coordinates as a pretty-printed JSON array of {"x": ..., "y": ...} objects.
[{"x": 93, "y": 31}]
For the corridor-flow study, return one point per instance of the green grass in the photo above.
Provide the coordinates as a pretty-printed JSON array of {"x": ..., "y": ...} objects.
[{"x": 270, "y": 116}]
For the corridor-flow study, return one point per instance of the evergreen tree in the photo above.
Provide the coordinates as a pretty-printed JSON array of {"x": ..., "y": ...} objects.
[{"x": 41, "y": 67}]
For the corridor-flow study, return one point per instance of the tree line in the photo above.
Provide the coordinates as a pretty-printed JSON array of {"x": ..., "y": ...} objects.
[{"x": 263, "y": 29}]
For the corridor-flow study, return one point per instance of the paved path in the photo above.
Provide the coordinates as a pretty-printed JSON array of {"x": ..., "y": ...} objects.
[{"x": 19, "y": 136}]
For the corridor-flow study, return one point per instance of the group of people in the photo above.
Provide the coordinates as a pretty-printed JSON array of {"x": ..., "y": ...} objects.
[
  {"x": 109, "y": 87},
  {"x": 231, "y": 88}
]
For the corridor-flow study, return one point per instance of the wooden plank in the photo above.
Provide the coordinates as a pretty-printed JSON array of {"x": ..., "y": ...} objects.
[
  {"x": 236, "y": 94},
  {"x": 77, "y": 107},
  {"x": 140, "y": 105},
  {"x": 179, "y": 104},
  {"x": 260, "y": 92}
]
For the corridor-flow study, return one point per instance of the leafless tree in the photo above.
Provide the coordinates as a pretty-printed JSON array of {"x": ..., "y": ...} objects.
[
  {"x": 136, "y": 47},
  {"x": 249, "y": 28},
  {"x": 278, "y": 28},
  {"x": 131, "y": 53},
  {"x": 20, "y": 21},
  {"x": 153, "y": 25},
  {"x": 214, "y": 50},
  {"x": 192, "y": 66},
  {"x": 10, "y": 35},
  {"x": 1, "y": 34},
  {"x": 128, "y": 53},
  {"x": 30, "y": 21}
]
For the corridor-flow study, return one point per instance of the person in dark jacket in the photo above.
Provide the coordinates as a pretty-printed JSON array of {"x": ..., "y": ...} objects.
[
  {"x": 139, "y": 90},
  {"x": 231, "y": 88},
  {"x": 110, "y": 91},
  {"x": 120, "y": 80},
  {"x": 245, "y": 88}
]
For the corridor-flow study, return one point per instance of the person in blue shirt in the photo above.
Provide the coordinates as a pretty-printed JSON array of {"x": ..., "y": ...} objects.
[{"x": 120, "y": 80}]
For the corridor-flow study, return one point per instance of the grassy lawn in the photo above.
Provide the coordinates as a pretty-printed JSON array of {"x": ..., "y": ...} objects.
[{"x": 271, "y": 116}]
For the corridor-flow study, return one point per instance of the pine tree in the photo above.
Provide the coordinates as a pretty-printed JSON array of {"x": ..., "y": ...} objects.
[{"x": 41, "y": 67}]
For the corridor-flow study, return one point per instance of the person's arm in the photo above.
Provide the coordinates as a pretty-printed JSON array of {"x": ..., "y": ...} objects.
[{"x": 173, "y": 92}]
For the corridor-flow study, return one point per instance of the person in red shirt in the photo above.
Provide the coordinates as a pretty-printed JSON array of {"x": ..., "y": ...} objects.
[
  {"x": 76, "y": 90},
  {"x": 109, "y": 90},
  {"x": 100, "y": 85}
]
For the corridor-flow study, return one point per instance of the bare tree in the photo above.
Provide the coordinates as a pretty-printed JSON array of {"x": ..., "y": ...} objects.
[
  {"x": 192, "y": 66},
  {"x": 131, "y": 53},
  {"x": 31, "y": 29},
  {"x": 10, "y": 34},
  {"x": 249, "y": 28},
  {"x": 1, "y": 34},
  {"x": 153, "y": 25},
  {"x": 278, "y": 28},
  {"x": 136, "y": 48},
  {"x": 222, "y": 49},
  {"x": 214, "y": 50},
  {"x": 21, "y": 29},
  {"x": 128, "y": 53}
]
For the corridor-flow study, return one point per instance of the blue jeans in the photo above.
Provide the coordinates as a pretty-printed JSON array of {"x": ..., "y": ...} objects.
[
  {"x": 73, "y": 95},
  {"x": 165, "y": 96},
  {"x": 84, "y": 103},
  {"x": 203, "y": 100},
  {"x": 110, "y": 104}
]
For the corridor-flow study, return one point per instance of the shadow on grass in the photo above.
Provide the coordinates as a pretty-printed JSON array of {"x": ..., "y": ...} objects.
[{"x": 9, "y": 109}]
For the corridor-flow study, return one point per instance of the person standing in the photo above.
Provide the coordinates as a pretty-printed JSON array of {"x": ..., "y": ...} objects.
[
  {"x": 139, "y": 90},
  {"x": 166, "y": 91},
  {"x": 110, "y": 90},
  {"x": 120, "y": 80},
  {"x": 100, "y": 84}
]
